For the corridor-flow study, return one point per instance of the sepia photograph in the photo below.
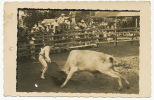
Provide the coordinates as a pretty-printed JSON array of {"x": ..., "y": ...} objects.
[
  {"x": 83, "y": 51},
  {"x": 72, "y": 50}
]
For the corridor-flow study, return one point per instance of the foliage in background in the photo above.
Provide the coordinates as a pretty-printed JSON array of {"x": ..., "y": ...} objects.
[{"x": 34, "y": 16}]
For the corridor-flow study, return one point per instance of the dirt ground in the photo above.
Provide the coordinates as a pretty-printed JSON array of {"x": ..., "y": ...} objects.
[{"x": 28, "y": 73}]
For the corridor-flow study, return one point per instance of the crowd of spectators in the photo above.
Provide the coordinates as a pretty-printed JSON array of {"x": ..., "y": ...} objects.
[
  {"x": 63, "y": 23},
  {"x": 113, "y": 23},
  {"x": 59, "y": 24}
]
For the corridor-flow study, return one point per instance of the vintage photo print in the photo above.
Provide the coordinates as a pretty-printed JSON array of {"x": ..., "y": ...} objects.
[{"x": 83, "y": 49}]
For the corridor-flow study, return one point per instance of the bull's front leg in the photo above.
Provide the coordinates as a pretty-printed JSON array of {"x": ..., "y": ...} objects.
[{"x": 70, "y": 74}]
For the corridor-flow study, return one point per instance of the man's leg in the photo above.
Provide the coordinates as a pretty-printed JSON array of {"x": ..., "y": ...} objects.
[{"x": 44, "y": 65}]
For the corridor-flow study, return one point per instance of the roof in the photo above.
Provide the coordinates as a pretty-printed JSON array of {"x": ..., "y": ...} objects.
[
  {"x": 128, "y": 14},
  {"x": 48, "y": 21},
  {"x": 115, "y": 13}
]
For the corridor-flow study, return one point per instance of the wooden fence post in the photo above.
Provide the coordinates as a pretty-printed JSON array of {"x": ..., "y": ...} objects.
[
  {"x": 132, "y": 39},
  {"x": 115, "y": 43}
]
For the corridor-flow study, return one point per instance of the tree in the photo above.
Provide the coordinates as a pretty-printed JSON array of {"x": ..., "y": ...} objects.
[
  {"x": 84, "y": 15},
  {"x": 33, "y": 16}
]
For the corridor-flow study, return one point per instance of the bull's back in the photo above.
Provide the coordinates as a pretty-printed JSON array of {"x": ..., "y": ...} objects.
[{"x": 86, "y": 59}]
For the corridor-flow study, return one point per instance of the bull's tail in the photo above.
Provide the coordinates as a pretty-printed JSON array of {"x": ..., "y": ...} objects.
[
  {"x": 70, "y": 59},
  {"x": 66, "y": 67},
  {"x": 111, "y": 59}
]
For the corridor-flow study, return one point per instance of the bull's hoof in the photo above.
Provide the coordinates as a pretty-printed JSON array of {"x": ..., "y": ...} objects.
[
  {"x": 58, "y": 81},
  {"x": 128, "y": 87}
]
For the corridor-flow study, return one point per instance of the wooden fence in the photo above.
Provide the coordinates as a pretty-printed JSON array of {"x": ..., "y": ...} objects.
[{"x": 76, "y": 39}]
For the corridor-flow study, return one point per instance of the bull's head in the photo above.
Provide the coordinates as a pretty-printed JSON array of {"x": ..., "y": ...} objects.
[
  {"x": 113, "y": 60},
  {"x": 117, "y": 62}
]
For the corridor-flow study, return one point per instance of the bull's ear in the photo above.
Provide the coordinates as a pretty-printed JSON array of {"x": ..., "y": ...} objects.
[{"x": 41, "y": 49}]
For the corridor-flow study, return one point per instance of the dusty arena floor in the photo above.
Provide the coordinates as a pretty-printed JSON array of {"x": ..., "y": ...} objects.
[{"x": 28, "y": 73}]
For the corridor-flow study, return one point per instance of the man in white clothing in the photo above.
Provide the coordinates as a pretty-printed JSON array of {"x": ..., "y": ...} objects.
[{"x": 44, "y": 59}]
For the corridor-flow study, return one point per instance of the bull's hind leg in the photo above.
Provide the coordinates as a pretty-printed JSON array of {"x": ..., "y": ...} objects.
[
  {"x": 70, "y": 74},
  {"x": 114, "y": 75},
  {"x": 128, "y": 86}
]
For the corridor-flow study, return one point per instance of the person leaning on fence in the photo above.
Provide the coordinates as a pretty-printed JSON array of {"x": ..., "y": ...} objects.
[
  {"x": 44, "y": 59},
  {"x": 34, "y": 29}
]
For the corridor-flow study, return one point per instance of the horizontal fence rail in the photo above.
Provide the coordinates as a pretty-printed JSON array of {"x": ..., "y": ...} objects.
[{"x": 75, "y": 39}]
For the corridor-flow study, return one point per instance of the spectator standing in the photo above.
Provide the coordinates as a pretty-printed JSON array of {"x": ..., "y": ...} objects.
[
  {"x": 72, "y": 16},
  {"x": 82, "y": 25},
  {"x": 56, "y": 29},
  {"x": 61, "y": 20}
]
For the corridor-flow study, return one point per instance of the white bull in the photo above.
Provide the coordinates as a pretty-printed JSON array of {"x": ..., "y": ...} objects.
[{"x": 91, "y": 61}]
